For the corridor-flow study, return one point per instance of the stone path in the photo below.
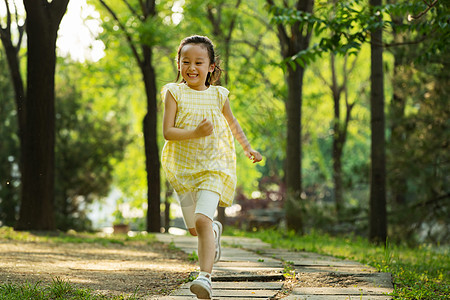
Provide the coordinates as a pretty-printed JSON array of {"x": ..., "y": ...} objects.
[{"x": 251, "y": 269}]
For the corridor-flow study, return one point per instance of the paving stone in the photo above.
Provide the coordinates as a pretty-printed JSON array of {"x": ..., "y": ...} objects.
[
  {"x": 243, "y": 269},
  {"x": 381, "y": 279},
  {"x": 233, "y": 254},
  {"x": 248, "y": 277},
  {"x": 249, "y": 264},
  {"x": 335, "y": 269},
  {"x": 236, "y": 293},
  {"x": 246, "y": 243},
  {"x": 362, "y": 290},
  {"x": 239, "y": 285},
  {"x": 248, "y": 285},
  {"x": 239, "y": 258}
]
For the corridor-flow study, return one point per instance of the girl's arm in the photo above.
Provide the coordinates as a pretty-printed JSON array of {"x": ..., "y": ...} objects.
[
  {"x": 239, "y": 134},
  {"x": 172, "y": 133}
]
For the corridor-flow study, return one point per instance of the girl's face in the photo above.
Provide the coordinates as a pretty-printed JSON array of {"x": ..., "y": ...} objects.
[{"x": 194, "y": 65}]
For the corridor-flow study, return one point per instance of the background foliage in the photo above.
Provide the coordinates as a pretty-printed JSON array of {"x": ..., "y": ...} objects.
[{"x": 100, "y": 110}]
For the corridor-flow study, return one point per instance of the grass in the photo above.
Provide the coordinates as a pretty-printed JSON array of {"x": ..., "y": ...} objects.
[
  {"x": 58, "y": 289},
  {"x": 419, "y": 273},
  {"x": 8, "y": 233},
  {"x": 61, "y": 289}
]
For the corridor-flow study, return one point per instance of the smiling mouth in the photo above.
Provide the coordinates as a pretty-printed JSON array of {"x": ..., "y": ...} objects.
[{"x": 192, "y": 75}]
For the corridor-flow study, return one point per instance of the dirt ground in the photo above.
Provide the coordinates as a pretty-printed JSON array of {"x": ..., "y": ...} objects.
[{"x": 113, "y": 269}]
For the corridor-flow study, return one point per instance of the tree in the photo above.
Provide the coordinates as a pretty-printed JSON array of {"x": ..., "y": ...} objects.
[
  {"x": 377, "y": 217},
  {"x": 294, "y": 38},
  {"x": 35, "y": 108},
  {"x": 340, "y": 126},
  {"x": 9, "y": 148},
  {"x": 142, "y": 50}
]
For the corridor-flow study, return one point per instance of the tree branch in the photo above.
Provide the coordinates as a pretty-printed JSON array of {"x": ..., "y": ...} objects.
[
  {"x": 418, "y": 16},
  {"x": 133, "y": 11},
  {"x": 127, "y": 35},
  {"x": 233, "y": 20},
  {"x": 282, "y": 32},
  {"x": 215, "y": 22},
  {"x": 319, "y": 74}
]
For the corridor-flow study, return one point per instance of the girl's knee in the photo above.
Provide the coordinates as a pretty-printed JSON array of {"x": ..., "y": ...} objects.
[
  {"x": 192, "y": 231},
  {"x": 202, "y": 222}
]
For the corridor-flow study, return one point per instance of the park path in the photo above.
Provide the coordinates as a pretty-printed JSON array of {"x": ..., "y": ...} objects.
[{"x": 251, "y": 269}]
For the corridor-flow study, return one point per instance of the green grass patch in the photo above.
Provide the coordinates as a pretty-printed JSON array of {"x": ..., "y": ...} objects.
[
  {"x": 193, "y": 257},
  {"x": 8, "y": 233},
  {"x": 58, "y": 289},
  {"x": 418, "y": 273}
]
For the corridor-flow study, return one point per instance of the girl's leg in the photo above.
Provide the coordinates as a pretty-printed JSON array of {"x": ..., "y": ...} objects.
[
  {"x": 206, "y": 243},
  {"x": 206, "y": 206}
]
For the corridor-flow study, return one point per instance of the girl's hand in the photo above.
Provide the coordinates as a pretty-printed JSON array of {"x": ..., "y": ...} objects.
[
  {"x": 205, "y": 128},
  {"x": 254, "y": 155}
]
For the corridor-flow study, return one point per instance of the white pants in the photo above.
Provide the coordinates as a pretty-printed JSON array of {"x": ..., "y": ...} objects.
[{"x": 201, "y": 202}]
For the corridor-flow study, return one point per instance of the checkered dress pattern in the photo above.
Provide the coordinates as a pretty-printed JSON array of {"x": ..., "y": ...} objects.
[{"x": 209, "y": 162}]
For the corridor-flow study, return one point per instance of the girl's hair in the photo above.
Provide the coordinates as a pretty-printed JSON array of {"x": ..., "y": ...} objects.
[{"x": 213, "y": 77}]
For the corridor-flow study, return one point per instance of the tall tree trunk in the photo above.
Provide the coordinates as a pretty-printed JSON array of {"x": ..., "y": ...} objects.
[
  {"x": 294, "y": 148},
  {"x": 10, "y": 192},
  {"x": 378, "y": 219},
  {"x": 151, "y": 145},
  {"x": 337, "y": 138},
  {"x": 38, "y": 136},
  {"x": 144, "y": 61},
  {"x": 8, "y": 205},
  {"x": 337, "y": 167}
]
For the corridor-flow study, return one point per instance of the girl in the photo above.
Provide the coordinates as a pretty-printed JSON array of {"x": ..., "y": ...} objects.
[{"x": 198, "y": 157}]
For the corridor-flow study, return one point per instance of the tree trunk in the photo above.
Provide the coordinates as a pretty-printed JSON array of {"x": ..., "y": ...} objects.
[
  {"x": 13, "y": 60},
  {"x": 337, "y": 169},
  {"x": 151, "y": 144},
  {"x": 377, "y": 222},
  {"x": 294, "y": 148},
  {"x": 38, "y": 136},
  {"x": 337, "y": 138},
  {"x": 152, "y": 163},
  {"x": 8, "y": 205}
]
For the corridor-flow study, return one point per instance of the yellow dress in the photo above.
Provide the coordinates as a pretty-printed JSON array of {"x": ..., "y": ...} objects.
[{"x": 209, "y": 162}]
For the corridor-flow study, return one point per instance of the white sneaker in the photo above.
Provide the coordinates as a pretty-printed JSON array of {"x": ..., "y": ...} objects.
[
  {"x": 217, "y": 228},
  {"x": 202, "y": 288}
]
